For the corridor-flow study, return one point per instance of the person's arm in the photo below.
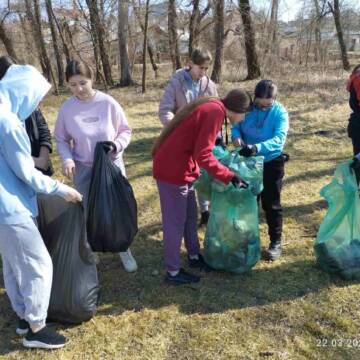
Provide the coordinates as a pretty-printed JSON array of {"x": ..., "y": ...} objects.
[
  {"x": 277, "y": 142},
  {"x": 167, "y": 104},
  {"x": 63, "y": 138},
  {"x": 15, "y": 147},
  {"x": 236, "y": 135},
  {"x": 356, "y": 86},
  {"x": 204, "y": 144},
  {"x": 42, "y": 161},
  {"x": 123, "y": 135}
]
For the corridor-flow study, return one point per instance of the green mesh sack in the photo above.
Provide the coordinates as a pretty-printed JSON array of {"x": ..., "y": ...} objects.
[
  {"x": 203, "y": 184},
  {"x": 232, "y": 241},
  {"x": 337, "y": 245}
]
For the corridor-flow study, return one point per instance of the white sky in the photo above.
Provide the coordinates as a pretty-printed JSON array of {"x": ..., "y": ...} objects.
[{"x": 289, "y": 8}]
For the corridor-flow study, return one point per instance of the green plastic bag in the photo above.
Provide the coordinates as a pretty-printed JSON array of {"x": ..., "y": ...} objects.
[
  {"x": 203, "y": 183},
  {"x": 337, "y": 245},
  {"x": 232, "y": 239}
]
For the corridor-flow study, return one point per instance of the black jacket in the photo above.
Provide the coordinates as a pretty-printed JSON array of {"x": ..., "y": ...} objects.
[{"x": 39, "y": 135}]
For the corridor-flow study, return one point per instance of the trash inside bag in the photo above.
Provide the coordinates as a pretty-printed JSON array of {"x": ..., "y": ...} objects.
[
  {"x": 232, "y": 240},
  {"x": 75, "y": 286},
  {"x": 112, "y": 208},
  {"x": 337, "y": 245}
]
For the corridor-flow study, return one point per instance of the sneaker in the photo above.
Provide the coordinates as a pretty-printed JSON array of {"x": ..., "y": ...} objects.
[
  {"x": 23, "y": 327},
  {"x": 44, "y": 339},
  {"x": 204, "y": 218},
  {"x": 128, "y": 261},
  {"x": 199, "y": 263},
  {"x": 181, "y": 278},
  {"x": 274, "y": 251}
]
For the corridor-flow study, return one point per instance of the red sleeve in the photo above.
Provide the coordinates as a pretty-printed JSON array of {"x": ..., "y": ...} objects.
[
  {"x": 356, "y": 85},
  {"x": 209, "y": 125}
]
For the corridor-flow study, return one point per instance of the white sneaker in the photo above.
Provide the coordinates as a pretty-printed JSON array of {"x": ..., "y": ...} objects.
[{"x": 128, "y": 261}]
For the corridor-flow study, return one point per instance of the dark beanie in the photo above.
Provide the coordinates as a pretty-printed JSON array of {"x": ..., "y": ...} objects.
[
  {"x": 265, "y": 89},
  {"x": 237, "y": 100}
]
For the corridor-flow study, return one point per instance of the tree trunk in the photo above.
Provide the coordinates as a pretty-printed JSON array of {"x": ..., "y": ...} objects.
[
  {"x": 173, "y": 40},
  {"x": 60, "y": 28},
  {"x": 250, "y": 46},
  {"x": 337, "y": 18},
  {"x": 194, "y": 26},
  {"x": 149, "y": 47},
  {"x": 317, "y": 31},
  {"x": 35, "y": 20},
  {"x": 143, "y": 82},
  {"x": 274, "y": 25},
  {"x": 8, "y": 43},
  {"x": 99, "y": 34},
  {"x": 58, "y": 55},
  {"x": 29, "y": 42},
  {"x": 123, "y": 32},
  {"x": 219, "y": 40}
]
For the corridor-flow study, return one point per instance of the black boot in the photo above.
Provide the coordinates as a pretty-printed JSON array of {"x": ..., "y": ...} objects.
[
  {"x": 204, "y": 218},
  {"x": 274, "y": 251}
]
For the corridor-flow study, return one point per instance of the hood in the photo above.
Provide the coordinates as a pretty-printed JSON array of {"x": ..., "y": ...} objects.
[{"x": 21, "y": 90}]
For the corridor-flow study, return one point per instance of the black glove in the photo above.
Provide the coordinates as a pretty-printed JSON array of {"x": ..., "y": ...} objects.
[
  {"x": 220, "y": 142},
  {"x": 239, "y": 183},
  {"x": 355, "y": 165},
  {"x": 248, "y": 150},
  {"x": 109, "y": 146}
]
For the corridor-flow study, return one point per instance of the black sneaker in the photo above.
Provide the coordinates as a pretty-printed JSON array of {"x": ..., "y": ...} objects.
[
  {"x": 181, "y": 278},
  {"x": 44, "y": 339},
  {"x": 23, "y": 327},
  {"x": 199, "y": 264},
  {"x": 204, "y": 218},
  {"x": 274, "y": 251}
]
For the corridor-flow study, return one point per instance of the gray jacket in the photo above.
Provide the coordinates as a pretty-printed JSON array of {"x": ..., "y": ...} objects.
[{"x": 177, "y": 95}]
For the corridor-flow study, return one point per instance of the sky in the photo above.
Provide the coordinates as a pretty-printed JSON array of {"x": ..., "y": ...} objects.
[{"x": 288, "y": 9}]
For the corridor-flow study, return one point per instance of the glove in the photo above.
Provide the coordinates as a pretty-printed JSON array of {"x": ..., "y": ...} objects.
[
  {"x": 248, "y": 150},
  {"x": 355, "y": 164},
  {"x": 109, "y": 146},
  {"x": 220, "y": 142},
  {"x": 239, "y": 183}
]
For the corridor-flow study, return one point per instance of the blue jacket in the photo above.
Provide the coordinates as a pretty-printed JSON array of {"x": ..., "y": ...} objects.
[
  {"x": 267, "y": 130},
  {"x": 21, "y": 90}
]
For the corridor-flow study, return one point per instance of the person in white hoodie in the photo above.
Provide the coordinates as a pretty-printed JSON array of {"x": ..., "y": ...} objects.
[{"x": 27, "y": 266}]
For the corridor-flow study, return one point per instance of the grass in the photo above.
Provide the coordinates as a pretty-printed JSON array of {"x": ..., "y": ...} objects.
[{"x": 289, "y": 309}]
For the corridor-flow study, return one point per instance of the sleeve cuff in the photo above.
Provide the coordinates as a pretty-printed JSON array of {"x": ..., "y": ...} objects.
[{"x": 48, "y": 145}]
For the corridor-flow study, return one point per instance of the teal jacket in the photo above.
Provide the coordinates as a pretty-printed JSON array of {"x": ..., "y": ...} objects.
[{"x": 267, "y": 130}]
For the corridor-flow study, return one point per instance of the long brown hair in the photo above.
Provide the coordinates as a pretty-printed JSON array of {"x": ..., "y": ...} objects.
[{"x": 182, "y": 114}]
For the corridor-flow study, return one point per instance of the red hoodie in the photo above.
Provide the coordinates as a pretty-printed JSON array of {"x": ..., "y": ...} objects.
[{"x": 189, "y": 146}]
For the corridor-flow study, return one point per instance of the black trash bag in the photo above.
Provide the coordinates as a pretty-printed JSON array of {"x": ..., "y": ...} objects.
[
  {"x": 112, "y": 209},
  {"x": 75, "y": 287}
]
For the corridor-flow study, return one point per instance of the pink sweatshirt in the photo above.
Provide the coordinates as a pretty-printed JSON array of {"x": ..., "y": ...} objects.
[{"x": 81, "y": 124}]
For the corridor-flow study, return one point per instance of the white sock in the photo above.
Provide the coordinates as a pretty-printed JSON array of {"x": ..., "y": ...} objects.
[
  {"x": 194, "y": 257},
  {"x": 173, "y": 273},
  {"x": 36, "y": 329}
]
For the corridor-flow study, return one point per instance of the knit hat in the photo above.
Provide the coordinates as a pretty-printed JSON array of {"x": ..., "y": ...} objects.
[{"x": 237, "y": 100}]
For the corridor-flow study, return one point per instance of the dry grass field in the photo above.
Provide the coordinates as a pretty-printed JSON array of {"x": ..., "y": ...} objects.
[{"x": 289, "y": 309}]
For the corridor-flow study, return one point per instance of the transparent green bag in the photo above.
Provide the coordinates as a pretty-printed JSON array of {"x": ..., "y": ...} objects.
[
  {"x": 337, "y": 245},
  {"x": 232, "y": 239}
]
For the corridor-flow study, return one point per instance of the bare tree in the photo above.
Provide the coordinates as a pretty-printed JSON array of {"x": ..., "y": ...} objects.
[
  {"x": 123, "y": 31},
  {"x": 195, "y": 22},
  {"x": 273, "y": 28},
  {"x": 33, "y": 14},
  {"x": 58, "y": 55},
  {"x": 98, "y": 32},
  {"x": 219, "y": 40},
  {"x": 252, "y": 62},
  {"x": 150, "y": 49},
  {"x": 143, "y": 82},
  {"x": 335, "y": 9},
  {"x": 4, "y": 34},
  {"x": 173, "y": 37}
]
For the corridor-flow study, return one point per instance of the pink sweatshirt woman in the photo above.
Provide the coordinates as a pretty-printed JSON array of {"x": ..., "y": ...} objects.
[{"x": 81, "y": 124}]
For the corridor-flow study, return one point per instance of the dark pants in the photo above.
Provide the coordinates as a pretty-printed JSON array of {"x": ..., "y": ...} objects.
[
  {"x": 354, "y": 134},
  {"x": 270, "y": 197}
]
